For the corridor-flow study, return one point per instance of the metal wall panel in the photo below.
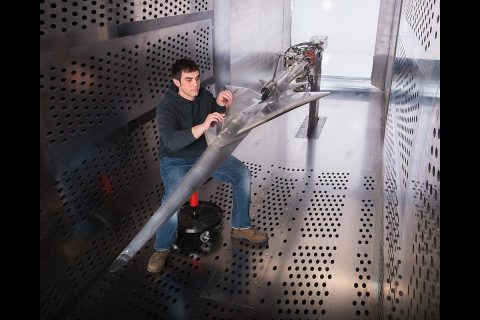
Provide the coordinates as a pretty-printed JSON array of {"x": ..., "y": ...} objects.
[
  {"x": 253, "y": 56},
  {"x": 104, "y": 65},
  {"x": 89, "y": 91},
  {"x": 222, "y": 43},
  {"x": 61, "y": 17},
  {"x": 411, "y": 169},
  {"x": 250, "y": 35},
  {"x": 387, "y": 31}
]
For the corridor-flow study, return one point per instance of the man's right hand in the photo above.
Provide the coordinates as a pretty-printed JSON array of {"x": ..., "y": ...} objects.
[
  {"x": 210, "y": 121},
  {"x": 212, "y": 118}
]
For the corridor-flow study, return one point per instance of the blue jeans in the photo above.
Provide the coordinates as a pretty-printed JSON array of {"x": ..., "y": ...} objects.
[{"x": 172, "y": 171}]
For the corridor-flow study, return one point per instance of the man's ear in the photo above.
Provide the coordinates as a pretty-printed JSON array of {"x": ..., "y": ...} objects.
[{"x": 176, "y": 82}]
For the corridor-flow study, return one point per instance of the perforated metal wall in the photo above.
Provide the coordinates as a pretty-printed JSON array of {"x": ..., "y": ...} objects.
[
  {"x": 89, "y": 91},
  {"x": 60, "y": 16},
  {"x": 104, "y": 65},
  {"x": 411, "y": 169}
]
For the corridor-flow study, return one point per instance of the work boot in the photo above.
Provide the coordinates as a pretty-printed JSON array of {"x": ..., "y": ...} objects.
[
  {"x": 251, "y": 234},
  {"x": 157, "y": 261}
]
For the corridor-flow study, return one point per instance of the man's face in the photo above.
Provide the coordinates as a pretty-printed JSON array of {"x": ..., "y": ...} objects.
[{"x": 189, "y": 85}]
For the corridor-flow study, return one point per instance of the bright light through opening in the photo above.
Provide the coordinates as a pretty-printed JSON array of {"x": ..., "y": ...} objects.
[{"x": 327, "y": 5}]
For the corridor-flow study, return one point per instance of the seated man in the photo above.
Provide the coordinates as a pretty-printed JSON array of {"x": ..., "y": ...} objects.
[{"x": 183, "y": 116}]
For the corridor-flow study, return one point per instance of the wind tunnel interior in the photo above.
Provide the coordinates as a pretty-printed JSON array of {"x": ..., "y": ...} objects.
[{"x": 352, "y": 212}]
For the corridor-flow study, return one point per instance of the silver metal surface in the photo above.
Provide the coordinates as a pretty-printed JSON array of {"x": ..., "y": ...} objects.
[
  {"x": 411, "y": 169},
  {"x": 222, "y": 43},
  {"x": 241, "y": 54},
  {"x": 385, "y": 44},
  {"x": 313, "y": 110},
  {"x": 71, "y": 24},
  {"x": 303, "y": 132},
  {"x": 257, "y": 34}
]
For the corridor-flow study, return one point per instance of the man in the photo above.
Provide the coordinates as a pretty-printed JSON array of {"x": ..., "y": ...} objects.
[{"x": 183, "y": 116}]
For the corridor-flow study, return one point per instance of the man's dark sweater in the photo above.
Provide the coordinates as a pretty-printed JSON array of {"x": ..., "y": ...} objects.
[{"x": 175, "y": 118}]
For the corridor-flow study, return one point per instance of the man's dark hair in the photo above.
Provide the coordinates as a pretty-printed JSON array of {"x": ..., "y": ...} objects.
[{"x": 183, "y": 65}]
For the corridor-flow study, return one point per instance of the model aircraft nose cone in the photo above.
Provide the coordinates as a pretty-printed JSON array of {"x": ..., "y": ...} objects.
[{"x": 120, "y": 262}]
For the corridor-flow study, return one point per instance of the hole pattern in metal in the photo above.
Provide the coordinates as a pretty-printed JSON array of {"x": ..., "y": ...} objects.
[
  {"x": 95, "y": 93},
  {"x": 323, "y": 215},
  {"x": 202, "y": 52},
  {"x": 90, "y": 93},
  {"x": 306, "y": 287},
  {"x": 369, "y": 183},
  {"x": 412, "y": 172},
  {"x": 58, "y": 16},
  {"x": 361, "y": 285},
  {"x": 98, "y": 180},
  {"x": 367, "y": 222},
  {"x": 161, "y": 54},
  {"x": 285, "y": 279},
  {"x": 424, "y": 18},
  {"x": 407, "y": 107},
  {"x": 49, "y": 301},
  {"x": 335, "y": 180}
]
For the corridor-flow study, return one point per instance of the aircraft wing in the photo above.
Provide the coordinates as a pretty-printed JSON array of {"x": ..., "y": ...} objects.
[
  {"x": 210, "y": 135},
  {"x": 284, "y": 104},
  {"x": 244, "y": 97}
]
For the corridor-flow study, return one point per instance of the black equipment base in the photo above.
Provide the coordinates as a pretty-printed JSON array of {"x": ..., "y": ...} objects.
[{"x": 208, "y": 216}]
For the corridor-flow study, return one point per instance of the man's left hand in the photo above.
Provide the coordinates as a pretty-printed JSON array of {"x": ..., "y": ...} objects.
[{"x": 225, "y": 98}]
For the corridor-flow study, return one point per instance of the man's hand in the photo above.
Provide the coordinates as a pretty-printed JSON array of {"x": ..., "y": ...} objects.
[
  {"x": 212, "y": 118},
  {"x": 225, "y": 98},
  {"x": 198, "y": 130}
]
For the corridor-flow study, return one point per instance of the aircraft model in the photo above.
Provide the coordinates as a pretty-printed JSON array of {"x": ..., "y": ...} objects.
[{"x": 248, "y": 110}]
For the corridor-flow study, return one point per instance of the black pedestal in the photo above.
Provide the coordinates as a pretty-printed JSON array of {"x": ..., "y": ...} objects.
[{"x": 197, "y": 226}]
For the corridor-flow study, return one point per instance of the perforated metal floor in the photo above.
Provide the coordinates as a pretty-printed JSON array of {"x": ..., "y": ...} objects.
[{"x": 319, "y": 201}]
